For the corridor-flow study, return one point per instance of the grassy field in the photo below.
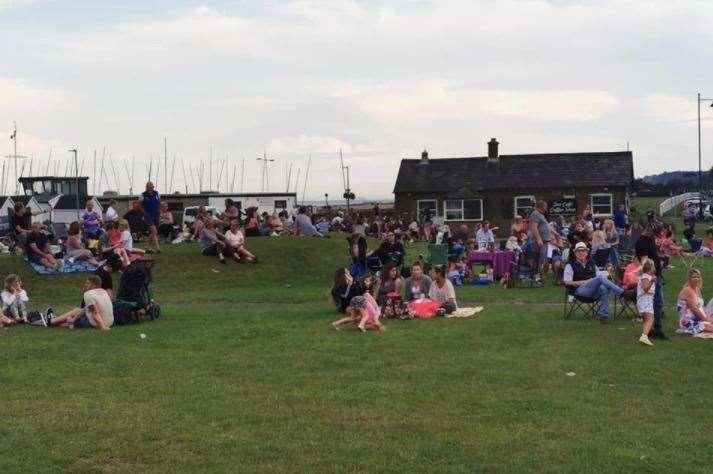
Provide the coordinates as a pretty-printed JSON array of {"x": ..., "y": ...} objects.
[{"x": 244, "y": 374}]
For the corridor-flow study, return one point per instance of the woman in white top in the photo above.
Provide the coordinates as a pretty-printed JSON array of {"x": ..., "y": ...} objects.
[
  {"x": 235, "y": 237},
  {"x": 111, "y": 214}
]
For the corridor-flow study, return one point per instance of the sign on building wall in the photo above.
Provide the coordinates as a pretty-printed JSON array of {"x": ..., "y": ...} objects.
[{"x": 563, "y": 207}]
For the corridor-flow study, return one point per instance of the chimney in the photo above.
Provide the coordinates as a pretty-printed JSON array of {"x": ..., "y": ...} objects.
[
  {"x": 424, "y": 157},
  {"x": 493, "y": 149}
]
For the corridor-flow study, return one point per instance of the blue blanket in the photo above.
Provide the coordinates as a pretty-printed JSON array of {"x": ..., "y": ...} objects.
[{"x": 69, "y": 267}]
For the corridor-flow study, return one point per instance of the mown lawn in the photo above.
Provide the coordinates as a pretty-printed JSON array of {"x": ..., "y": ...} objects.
[{"x": 244, "y": 374}]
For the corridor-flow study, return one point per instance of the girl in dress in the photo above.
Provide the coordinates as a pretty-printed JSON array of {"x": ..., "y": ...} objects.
[
  {"x": 363, "y": 310},
  {"x": 645, "y": 298}
]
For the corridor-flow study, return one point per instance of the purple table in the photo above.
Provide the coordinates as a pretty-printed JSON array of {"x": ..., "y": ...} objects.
[{"x": 500, "y": 261}]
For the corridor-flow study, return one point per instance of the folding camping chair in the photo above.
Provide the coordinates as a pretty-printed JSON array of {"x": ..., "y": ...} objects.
[
  {"x": 437, "y": 255},
  {"x": 574, "y": 304}
]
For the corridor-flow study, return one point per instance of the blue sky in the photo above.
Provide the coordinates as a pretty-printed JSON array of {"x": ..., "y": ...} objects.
[{"x": 382, "y": 80}]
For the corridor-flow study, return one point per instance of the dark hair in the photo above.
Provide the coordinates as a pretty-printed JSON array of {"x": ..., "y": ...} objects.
[
  {"x": 73, "y": 228},
  {"x": 18, "y": 206},
  {"x": 417, "y": 264},
  {"x": 440, "y": 270},
  {"x": 94, "y": 280},
  {"x": 386, "y": 271},
  {"x": 114, "y": 262},
  {"x": 362, "y": 280},
  {"x": 340, "y": 279},
  {"x": 302, "y": 210}
]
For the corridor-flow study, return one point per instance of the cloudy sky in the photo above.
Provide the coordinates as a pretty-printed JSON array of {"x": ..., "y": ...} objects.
[{"x": 381, "y": 79}]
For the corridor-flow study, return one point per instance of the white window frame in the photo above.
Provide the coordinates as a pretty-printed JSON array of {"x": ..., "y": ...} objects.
[
  {"x": 462, "y": 210},
  {"x": 515, "y": 206},
  {"x": 418, "y": 206},
  {"x": 611, "y": 204}
]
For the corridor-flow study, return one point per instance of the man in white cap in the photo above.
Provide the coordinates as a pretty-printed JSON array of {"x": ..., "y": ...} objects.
[{"x": 581, "y": 274}]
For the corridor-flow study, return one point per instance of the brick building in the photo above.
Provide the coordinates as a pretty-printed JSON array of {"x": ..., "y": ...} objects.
[{"x": 499, "y": 187}]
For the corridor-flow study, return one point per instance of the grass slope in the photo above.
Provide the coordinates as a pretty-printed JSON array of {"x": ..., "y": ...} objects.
[{"x": 243, "y": 374}]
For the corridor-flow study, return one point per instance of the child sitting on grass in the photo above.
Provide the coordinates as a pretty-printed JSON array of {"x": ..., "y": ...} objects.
[
  {"x": 645, "y": 298},
  {"x": 127, "y": 240},
  {"x": 363, "y": 310},
  {"x": 14, "y": 302}
]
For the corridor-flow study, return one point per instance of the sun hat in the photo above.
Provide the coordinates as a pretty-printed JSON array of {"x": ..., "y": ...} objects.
[{"x": 581, "y": 246}]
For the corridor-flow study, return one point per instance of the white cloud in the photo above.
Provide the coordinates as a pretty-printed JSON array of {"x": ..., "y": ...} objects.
[
  {"x": 677, "y": 109},
  {"x": 308, "y": 144},
  {"x": 22, "y": 96},
  {"x": 423, "y": 101}
]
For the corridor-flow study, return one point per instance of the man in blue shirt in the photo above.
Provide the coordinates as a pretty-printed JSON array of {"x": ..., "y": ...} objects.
[
  {"x": 151, "y": 205},
  {"x": 620, "y": 219}
]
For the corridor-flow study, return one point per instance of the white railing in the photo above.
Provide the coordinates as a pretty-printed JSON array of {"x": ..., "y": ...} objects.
[{"x": 674, "y": 201}]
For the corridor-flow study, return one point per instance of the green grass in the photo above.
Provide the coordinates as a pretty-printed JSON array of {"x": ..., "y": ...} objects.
[{"x": 244, "y": 374}]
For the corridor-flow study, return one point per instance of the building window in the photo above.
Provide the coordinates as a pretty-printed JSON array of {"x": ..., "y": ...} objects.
[
  {"x": 463, "y": 209},
  {"x": 281, "y": 204},
  {"x": 601, "y": 204},
  {"x": 524, "y": 205},
  {"x": 426, "y": 208}
]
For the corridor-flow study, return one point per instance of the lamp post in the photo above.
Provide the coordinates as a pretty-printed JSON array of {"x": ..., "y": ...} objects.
[{"x": 700, "y": 173}]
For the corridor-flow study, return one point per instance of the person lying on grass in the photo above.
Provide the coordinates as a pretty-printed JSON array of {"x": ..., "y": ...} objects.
[
  {"x": 362, "y": 310},
  {"x": 235, "y": 239},
  {"x": 14, "y": 302},
  {"x": 38, "y": 249},
  {"x": 75, "y": 248},
  {"x": 442, "y": 290},
  {"x": 97, "y": 312},
  {"x": 213, "y": 242}
]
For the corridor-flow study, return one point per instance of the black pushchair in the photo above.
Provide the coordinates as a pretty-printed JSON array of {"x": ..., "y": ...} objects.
[{"x": 135, "y": 295}]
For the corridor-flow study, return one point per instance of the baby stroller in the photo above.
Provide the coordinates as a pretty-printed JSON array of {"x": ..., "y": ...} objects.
[
  {"x": 524, "y": 268},
  {"x": 135, "y": 295}
]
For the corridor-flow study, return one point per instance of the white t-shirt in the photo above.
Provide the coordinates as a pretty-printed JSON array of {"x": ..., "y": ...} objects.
[
  {"x": 9, "y": 298},
  {"x": 443, "y": 294},
  {"x": 236, "y": 238},
  {"x": 111, "y": 214},
  {"x": 127, "y": 241},
  {"x": 99, "y": 299}
]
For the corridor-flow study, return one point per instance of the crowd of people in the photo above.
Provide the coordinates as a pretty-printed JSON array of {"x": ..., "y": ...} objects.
[
  {"x": 585, "y": 254},
  {"x": 592, "y": 258}
]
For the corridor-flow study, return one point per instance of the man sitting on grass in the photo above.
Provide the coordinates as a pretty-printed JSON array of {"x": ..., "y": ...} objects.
[
  {"x": 581, "y": 275},
  {"x": 38, "y": 249},
  {"x": 98, "y": 311},
  {"x": 442, "y": 290}
]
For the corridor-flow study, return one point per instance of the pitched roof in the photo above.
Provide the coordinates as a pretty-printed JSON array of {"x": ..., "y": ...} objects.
[{"x": 477, "y": 174}]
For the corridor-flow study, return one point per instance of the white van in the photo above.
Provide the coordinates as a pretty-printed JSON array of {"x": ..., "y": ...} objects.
[{"x": 190, "y": 213}]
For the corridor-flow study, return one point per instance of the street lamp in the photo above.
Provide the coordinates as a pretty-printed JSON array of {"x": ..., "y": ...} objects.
[{"x": 700, "y": 174}]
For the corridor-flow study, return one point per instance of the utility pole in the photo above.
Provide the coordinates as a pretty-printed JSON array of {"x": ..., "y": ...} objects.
[{"x": 265, "y": 179}]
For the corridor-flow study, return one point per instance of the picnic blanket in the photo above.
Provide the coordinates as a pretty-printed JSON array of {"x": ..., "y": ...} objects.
[
  {"x": 69, "y": 267},
  {"x": 465, "y": 312}
]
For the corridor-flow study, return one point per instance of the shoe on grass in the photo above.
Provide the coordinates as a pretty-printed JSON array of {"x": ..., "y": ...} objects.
[
  {"x": 644, "y": 339},
  {"x": 49, "y": 314},
  {"x": 603, "y": 319}
]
